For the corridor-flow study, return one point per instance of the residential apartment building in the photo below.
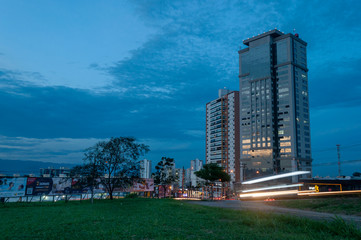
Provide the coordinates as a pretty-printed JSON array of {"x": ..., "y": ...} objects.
[
  {"x": 196, "y": 165},
  {"x": 179, "y": 181},
  {"x": 55, "y": 172},
  {"x": 274, "y": 105},
  {"x": 222, "y": 132},
  {"x": 145, "y": 168}
]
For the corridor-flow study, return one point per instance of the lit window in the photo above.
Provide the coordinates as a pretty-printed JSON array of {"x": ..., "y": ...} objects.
[{"x": 285, "y": 144}]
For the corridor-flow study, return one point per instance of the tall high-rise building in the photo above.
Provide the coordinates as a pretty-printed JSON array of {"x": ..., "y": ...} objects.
[
  {"x": 274, "y": 106},
  {"x": 222, "y": 132},
  {"x": 145, "y": 168}
]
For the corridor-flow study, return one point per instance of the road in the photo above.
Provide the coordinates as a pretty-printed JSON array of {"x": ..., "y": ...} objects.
[{"x": 261, "y": 206}]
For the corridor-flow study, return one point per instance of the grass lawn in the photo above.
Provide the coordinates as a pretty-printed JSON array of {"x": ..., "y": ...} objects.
[
  {"x": 156, "y": 219},
  {"x": 339, "y": 205}
]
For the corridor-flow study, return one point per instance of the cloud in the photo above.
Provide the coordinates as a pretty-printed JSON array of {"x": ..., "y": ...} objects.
[
  {"x": 44, "y": 112},
  {"x": 159, "y": 91},
  {"x": 22, "y": 78},
  {"x": 64, "y": 150},
  {"x": 196, "y": 133},
  {"x": 336, "y": 84}
]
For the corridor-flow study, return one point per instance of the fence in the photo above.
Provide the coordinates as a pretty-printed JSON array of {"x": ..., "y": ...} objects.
[{"x": 40, "y": 189}]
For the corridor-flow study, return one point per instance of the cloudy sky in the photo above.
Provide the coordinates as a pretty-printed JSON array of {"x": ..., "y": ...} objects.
[{"x": 76, "y": 72}]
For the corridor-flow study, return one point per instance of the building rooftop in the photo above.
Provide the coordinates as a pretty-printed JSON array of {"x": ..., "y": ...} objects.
[{"x": 273, "y": 33}]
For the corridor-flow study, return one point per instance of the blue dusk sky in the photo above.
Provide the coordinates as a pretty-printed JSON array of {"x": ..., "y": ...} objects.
[{"x": 76, "y": 72}]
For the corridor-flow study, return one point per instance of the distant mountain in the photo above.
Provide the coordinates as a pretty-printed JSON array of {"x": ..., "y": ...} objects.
[{"x": 10, "y": 167}]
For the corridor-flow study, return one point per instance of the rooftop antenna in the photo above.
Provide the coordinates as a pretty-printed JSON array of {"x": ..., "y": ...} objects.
[{"x": 294, "y": 33}]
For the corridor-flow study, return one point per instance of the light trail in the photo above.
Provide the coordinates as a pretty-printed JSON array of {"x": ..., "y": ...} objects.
[
  {"x": 269, "y": 194},
  {"x": 310, "y": 193},
  {"x": 314, "y": 194},
  {"x": 272, "y": 187},
  {"x": 276, "y": 177}
]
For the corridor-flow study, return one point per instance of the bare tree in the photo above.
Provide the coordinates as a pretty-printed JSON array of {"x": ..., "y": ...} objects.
[
  {"x": 117, "y": 160},
  {"x": 88, "y": 174}
]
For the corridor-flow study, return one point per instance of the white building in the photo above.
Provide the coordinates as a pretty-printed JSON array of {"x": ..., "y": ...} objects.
[
  {"x": 222, "y": 132},
  {"x": 179, "y": 177},
  {"x": 145, "y": 168},
  {"x": 196, "y": 165}
]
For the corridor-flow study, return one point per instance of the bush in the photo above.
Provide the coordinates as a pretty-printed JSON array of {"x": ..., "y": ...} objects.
[{"x": 132, "y": 195}]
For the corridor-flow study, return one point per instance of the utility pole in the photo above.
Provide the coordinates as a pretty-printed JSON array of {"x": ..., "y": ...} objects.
[
  {"x": 339, "y": 159},
  {"x": 182, "y": 181}
]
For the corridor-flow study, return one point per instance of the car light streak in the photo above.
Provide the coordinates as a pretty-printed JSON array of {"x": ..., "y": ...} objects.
[
  {"x": 272, "y": 187},
  {"x": 276, "y": 177},
  {"x": 269, "y": 194},
  {"x": 328, "y": 193}
]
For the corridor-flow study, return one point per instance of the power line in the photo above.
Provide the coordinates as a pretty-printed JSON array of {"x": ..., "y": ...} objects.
[
  {"x": 333, "y": 149},
  {"x": 334, "y": 163},
  {"x": 351, "y": 146}
]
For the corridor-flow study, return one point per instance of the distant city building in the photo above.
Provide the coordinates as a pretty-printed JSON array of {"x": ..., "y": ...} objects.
[
  {"x": 145, "y": 168},
  {"x": 196, "y": 165},
  {"x": 178, "y": 177},
  {"x": 54, "y": 172},
  {"x": 274, "y": 106},
  {"x": 187, "y": 178},
  {"x": 222, "y": 132}
]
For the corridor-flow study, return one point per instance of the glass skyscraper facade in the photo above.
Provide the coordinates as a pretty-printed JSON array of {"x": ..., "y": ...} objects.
[{"x": 274, "y": 106}]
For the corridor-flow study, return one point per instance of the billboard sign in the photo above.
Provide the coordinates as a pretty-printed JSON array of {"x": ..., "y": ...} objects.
[
  {"x": 38, "y": 186},
  {"x": 78, "y": 186},
  {"x": 143, "y": 185},
  {"x": 12, "y": 187},
  {"x": 61, "y": 186}
]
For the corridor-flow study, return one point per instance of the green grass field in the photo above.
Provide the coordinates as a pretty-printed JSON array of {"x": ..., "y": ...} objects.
[
  {"x": 339, "y": 205},
  {"x": 156, "y": 219}
]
